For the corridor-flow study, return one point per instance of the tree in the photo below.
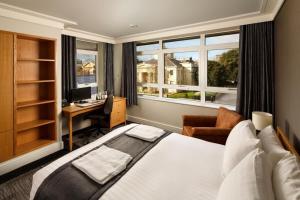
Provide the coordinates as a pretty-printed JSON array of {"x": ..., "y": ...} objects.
[
  {"x": 230, "y": 61},
  {"x": 216, "y": 74},
  {"x": 224, "y": 72}
]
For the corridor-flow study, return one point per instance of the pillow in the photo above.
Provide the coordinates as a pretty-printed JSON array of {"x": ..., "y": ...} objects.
[
  {"x": 271, "y": 144},
  {"x": 286, "y": 178},
  {"x": 249, "y": 180},
  {"x": 241, "y": 140}
]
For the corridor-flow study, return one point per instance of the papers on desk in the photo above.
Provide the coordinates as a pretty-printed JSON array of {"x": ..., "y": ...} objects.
[{"x": 90, "y": 103}]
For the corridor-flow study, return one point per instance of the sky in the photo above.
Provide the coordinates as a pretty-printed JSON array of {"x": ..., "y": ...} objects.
[
  {"x": 189, "y": 43},
  {"x": 85, "y": 58}
]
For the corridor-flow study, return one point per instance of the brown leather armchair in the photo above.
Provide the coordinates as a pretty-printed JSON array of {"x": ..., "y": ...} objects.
[{"x": 211, "y": 128}]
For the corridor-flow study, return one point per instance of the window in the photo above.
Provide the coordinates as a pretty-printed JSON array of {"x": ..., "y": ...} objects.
[
  {"x": 148, "y": 91},
  {"x": 86, "y": 69},
  {"x": 200, "y": 69},
  {"x": 181, "y": 43},
  {"x": 181, "y": 68},
  {"x": 147, "y": 69},
  {"x": 220, "y": 98},
  {"x": 147, "y": 66},
  {"x": 222, "y": 68},
  {"x": 147, "y": 46},
  {"x": 181, "y": 94},
  {"x": 222, "y": 39}
]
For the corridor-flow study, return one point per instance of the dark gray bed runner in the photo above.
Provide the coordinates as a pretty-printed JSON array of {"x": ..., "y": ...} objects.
[{"x": 67, "y": 182}]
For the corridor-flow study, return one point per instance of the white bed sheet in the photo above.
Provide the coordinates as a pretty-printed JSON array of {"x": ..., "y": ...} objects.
[
  {"x": 178, "y": 167},
  {"x": 43, "y": 173}
]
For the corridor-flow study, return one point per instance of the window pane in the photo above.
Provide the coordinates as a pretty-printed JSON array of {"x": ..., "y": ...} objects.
[
  {"x": 181, "y": 94},
  {"x": 222, "y": 39},
  {"x": 222, "y": 68},
  {"x": 190, "y": 42},
  {"x": 181, "y": 68},
  {"x": 147, "y": 46},
  {"x": 86, "y": 75},
  {"x": 147, "y": 69},
  {"x": 94, "y": 90},
  {"x": 148, "y": 91},
  {"x": 220, "y": 98}
]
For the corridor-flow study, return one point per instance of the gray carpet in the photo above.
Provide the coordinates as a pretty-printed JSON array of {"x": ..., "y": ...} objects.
[{"x": 17, "y": 188}]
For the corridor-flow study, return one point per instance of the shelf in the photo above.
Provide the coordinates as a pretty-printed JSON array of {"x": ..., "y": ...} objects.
[
  {"x": 35, "y": 81},
  {"x": 33, "y": 103},
  {"x": 30, "y": 146},
  {"x": 33, "y": 124},
  {"x": 36, "y": 60}
]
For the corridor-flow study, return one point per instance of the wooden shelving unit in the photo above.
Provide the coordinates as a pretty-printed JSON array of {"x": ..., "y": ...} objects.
[
  {"x": 33, "y": 103},
  {"x": 35, "y": 81},
  {"x": 35, "y": 99},
  {"x": 35, "y": 60},
  {"x": 30, "y": 146},
  {"x": 33, "y": 124}
]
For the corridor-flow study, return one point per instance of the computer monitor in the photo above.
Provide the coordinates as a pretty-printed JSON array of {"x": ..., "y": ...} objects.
[{"x": 79, "y": 94}]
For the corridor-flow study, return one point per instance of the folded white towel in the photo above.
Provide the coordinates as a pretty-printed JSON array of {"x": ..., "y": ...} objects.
[
  {"x": 103, "y": 163},
  {"x": 144, "y": 132}
]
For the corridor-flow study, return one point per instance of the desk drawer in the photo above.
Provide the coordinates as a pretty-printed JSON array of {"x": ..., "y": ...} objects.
[
  {"x": 119, "y": 107},
  {"x": 118, "y": 114},
  {"x": 116, "y": 120}
]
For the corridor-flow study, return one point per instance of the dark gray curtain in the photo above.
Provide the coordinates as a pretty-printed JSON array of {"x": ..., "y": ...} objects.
[
  {"x": 128, "y": 82},
  {"x": 68, "y": 53},
  {"x": 109, "y": 68},
  {"x": 256, "y": 69}
]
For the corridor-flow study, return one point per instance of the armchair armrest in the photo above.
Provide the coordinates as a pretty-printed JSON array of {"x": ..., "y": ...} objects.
[
  {"x": 198, "y": 120},
  {"x": 216, "y": 135}
]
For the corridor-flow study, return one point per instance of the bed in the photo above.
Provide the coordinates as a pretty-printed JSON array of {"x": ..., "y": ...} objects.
[
  {"x": 178, "y": 167},
  {"x": 162, "y": 173}
]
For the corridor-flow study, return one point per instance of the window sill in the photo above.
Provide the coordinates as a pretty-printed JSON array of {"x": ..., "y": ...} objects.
[{"x": 188, "y": 102}]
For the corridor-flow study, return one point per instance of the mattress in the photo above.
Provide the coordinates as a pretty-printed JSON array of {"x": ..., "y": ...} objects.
[{"x": 178, "y": 167}]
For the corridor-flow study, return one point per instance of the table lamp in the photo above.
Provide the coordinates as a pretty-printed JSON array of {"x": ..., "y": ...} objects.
[{"x": 261, "y": 120}]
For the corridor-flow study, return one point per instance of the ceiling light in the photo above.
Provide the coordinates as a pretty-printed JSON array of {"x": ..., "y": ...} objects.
[{"x": 133, "y": 25}]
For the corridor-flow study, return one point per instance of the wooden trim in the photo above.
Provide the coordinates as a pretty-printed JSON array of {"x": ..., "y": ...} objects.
[
  {"x": 34, "y": 81},
  {"x": 36, "y": 59},
  {"x": 33, "y": 124},
  {"x": 34, "y": 37},
  {"x": 286, "y": 143},
  {"x": 15, "y": 93},
  {"x": 6, "y": 95}
]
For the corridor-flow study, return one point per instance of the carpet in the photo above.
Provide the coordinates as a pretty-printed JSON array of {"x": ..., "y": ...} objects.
[{"x": 17, "y": 188}]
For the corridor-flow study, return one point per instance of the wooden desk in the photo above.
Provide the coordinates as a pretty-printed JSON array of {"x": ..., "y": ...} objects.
[
  {"x": 117, "y": 116},
  {"x": 72, "y": 111}
]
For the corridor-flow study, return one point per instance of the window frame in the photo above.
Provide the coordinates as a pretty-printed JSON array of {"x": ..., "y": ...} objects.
[
  {"x": 94, "y": 53},
  {"x": 202, "y": 86}
]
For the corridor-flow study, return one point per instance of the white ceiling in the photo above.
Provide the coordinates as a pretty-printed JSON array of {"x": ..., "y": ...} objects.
[{"x": 112, "y": 17}]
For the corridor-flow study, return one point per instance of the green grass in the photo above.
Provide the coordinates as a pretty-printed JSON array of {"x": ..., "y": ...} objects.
[{"x": 185, "y": 95}]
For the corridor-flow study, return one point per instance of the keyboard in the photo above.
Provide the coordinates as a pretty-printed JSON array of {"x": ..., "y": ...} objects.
[{"x": 90, "y": 103}]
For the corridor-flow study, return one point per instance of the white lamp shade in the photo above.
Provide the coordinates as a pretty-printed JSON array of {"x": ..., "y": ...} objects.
[{"x": 261, "y": 119}]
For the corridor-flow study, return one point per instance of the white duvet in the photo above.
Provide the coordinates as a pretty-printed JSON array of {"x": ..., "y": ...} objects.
[{"x": 178, "y": 167}]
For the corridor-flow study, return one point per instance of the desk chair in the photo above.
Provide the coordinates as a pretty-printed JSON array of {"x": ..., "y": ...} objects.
[{"x": 103, "y": 116}]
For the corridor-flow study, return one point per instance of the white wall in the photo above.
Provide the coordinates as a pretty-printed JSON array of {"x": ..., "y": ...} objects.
[
  {"x": 117, "y": 68},
  {"x": 164, "y": 114}
]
